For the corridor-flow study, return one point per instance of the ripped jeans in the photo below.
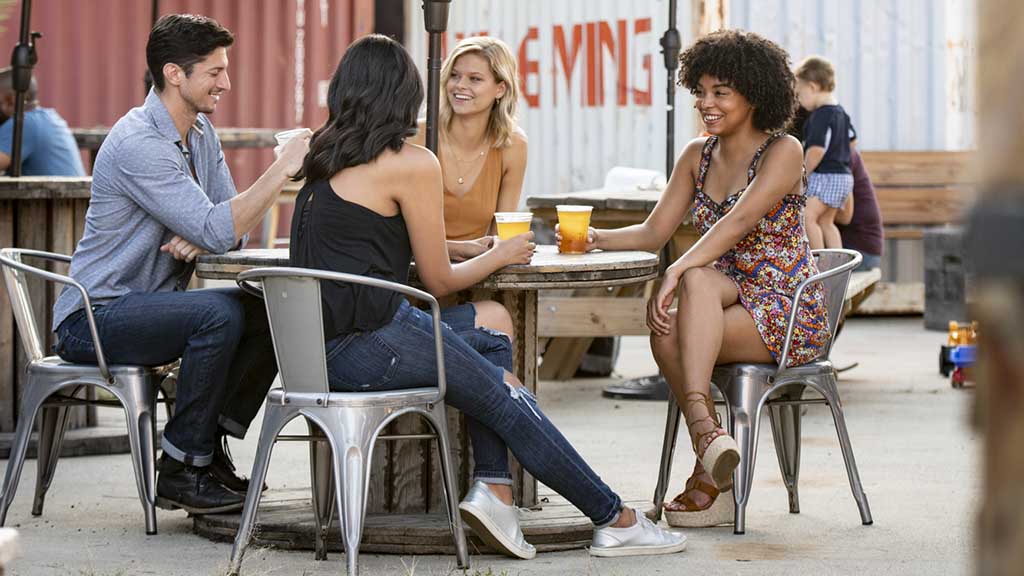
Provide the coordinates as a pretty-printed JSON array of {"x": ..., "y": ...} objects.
[{"x": 499, "y": 417}]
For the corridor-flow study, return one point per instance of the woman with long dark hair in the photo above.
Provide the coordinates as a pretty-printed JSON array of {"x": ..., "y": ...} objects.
[{"x": 371, "y": 202}]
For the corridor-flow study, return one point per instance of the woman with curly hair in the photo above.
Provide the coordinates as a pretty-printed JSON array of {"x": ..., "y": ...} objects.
[{"x": 743, "y": 186}]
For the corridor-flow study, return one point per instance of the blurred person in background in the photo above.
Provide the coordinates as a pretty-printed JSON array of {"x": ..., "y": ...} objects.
[{"x": 47, "y": 146}]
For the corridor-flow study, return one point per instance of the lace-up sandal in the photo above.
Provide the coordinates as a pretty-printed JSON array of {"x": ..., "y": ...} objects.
[
  {"x": 717, "y": 451},
  {"x": 684, "y": 512}
]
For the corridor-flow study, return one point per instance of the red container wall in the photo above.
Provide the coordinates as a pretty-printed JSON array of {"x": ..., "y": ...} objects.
[{"x": 92, "y": 59}]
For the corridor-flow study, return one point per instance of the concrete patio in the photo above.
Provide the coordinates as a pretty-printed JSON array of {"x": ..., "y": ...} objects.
[{"x": 917, "y": 454}]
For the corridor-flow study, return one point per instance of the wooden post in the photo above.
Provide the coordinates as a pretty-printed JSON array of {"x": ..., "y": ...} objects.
[{"x": 1000, "y": 291}]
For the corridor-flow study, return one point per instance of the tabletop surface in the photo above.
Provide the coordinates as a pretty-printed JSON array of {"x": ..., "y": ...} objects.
[{"x": 548, "y": 269}]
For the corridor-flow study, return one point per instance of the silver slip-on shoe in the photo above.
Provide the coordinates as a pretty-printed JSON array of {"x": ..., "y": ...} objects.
[
  {"x": 640, "y": 539},
  {"x": 495, "y": 522}
]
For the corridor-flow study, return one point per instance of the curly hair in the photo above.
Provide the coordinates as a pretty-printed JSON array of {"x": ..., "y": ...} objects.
[{"x": 754, "y": 66}]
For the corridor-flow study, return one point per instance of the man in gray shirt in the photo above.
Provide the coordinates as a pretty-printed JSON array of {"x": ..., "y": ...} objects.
[{"x": 161, "y": 195}]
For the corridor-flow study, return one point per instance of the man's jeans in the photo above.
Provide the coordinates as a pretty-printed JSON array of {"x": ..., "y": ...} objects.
[
  {"x": 223, "y": 340},
  {"x": 401, "y": 355}
]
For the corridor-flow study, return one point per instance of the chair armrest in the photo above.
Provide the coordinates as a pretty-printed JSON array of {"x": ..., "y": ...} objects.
[
  {"x": 7, "y": 260},
  {"x": 846, "y": 268},
  {"x": 435, "y": 307}
]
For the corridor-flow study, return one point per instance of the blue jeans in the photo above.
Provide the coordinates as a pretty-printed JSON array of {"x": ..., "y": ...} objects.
[
  {"x": 223, "y": 340},
  {"x": 869, "y": 262},
  {"x": 401, "y": 355}
]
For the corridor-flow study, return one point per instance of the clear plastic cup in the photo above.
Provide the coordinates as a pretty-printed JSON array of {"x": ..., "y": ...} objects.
[
  {"x": 573, "y": 225},
  {"x": 283, "y": 138},
  {"x": 511, "y": 224}
]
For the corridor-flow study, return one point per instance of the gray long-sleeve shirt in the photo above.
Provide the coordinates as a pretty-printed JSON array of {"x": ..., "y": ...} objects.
[{"x": 143, "y": 194}]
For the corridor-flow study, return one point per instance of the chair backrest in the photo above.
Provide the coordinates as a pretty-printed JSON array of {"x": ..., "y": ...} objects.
[
  {"x": 292, "y": 297},
  {"x": 834, "y": 286},
  {"x": 297, "y": 327},
  {"x": 834, "y": 269},
  {"x": 17, "y": 282}
]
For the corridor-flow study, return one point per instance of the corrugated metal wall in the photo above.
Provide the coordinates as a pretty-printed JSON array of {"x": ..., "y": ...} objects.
[
  {"x": 593, "y": 80},
  {"x": 902, "y": 66},
  {"x": 92, "y": 59}
]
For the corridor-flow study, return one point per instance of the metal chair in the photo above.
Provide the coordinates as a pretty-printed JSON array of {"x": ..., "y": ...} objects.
[
  {"x": 747, "y": 388},
  {"x": 350, "y": 422},
  {"x": 134, "y": 387}
]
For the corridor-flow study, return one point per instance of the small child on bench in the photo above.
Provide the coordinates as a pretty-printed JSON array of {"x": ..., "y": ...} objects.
[{"x": 828, "y": 136}]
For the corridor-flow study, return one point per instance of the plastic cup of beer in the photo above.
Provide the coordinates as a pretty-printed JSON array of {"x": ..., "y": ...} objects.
[
  {"x": 573, "y": 225},
  {"x": 283, "y": 138},
  {"x": 511, "y": 224}
]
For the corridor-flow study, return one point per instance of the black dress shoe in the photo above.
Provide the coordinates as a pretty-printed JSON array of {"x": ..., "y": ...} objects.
[
  {"x": 193, "y": 489},
  {"x": 223, "y": 469}
]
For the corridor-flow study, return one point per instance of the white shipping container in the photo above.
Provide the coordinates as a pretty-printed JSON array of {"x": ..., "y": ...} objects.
[{"x": 594, "y": 80}]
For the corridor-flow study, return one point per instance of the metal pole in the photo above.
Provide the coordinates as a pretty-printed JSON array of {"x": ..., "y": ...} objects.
[
  {"x": 435, "y": 20},
  {"x": 23, "y": 59},
  {"x": 654, "y": 387},
  {"x": 147, "y": 78}
]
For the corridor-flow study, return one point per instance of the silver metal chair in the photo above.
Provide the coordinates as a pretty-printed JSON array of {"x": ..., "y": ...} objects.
[
  {"x": 747, "y": 388},
  {"x": 349, "y": 422},
  {"x": 53, "y": 385}
]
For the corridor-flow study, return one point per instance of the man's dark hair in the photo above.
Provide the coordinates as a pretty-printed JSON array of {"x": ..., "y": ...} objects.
[
  {"x": 7, "y": 84},
  {"x": 373, "y": 100},
  {"x": 183, "y": 39},
  {"x": 754, "y": 66}
]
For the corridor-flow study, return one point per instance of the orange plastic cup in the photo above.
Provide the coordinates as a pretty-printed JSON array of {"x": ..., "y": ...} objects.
[
  {"x": 573, "y": 225},
  {"x": 511, "y": 224}
]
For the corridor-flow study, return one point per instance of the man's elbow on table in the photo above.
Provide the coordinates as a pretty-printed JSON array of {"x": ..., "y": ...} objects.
[{"x": 5, "y": 161}]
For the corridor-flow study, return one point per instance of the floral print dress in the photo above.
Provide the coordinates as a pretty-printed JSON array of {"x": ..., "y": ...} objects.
[{"x": 768, "y": 264}]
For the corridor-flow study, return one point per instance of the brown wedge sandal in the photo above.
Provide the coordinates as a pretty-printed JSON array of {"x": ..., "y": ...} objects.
[
  {"x": 717, "y": 451},
  {"x": 684, "y": 512}
]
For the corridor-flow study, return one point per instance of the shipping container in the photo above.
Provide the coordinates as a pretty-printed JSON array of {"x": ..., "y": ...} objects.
[
  {"x": 92, "y": 59},
  {"x": 593, "y": 76}
]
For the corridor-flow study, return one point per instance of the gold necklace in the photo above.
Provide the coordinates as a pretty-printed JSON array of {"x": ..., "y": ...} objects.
[{"x": 459, "y": 162}]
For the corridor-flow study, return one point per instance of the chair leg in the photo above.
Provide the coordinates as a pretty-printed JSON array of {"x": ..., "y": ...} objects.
[
  {"x": 668, "y": 449},
  {"x": 22, "y": 433},
  {"x": 351, "y": 448},
  {"x": 831, "y": 393},
  {"x": 142, "y": 439},
  {"x": 169, "y": 389},
  {"x": 274, "y": 418},
  {"x": 322, "y": 487},
  {"x": 53, "y": 424},
  {"x": 744, "y": 428},
  {"x": 785, "y": 420},
  {"x": 439, "y": 421}
]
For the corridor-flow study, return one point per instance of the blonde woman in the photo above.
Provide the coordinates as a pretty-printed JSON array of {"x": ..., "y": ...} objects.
[{"x": 481, "y": 149}]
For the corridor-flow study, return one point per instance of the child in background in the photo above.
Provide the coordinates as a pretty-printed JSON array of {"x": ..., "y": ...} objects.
[{"x": 828, "y": 137}]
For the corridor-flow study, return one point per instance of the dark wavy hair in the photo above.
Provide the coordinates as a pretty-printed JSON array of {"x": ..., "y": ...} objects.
[
  {"x": 756, "y": 67},
  {"x": 373, "y": 100}
]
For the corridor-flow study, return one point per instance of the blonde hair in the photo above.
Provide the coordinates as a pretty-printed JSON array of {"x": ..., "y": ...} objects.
[
  {"x": 502, "y": 121},
  {"x": 818, "y": 70}
]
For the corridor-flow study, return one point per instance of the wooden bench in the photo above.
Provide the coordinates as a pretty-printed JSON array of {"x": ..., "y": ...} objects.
[{"x": 915, "y": 190}]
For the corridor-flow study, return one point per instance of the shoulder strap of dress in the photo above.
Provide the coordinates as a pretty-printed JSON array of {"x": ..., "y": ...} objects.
[
  {"x": 705, "y": 161},
  {"x": 752, "y": 171}
]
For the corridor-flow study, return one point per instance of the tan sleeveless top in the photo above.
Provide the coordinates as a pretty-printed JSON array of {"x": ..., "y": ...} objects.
[{"x": 469, "y": 216}]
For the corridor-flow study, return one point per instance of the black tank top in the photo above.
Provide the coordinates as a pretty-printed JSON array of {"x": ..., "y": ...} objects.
[{"x": 331, "y": 233}]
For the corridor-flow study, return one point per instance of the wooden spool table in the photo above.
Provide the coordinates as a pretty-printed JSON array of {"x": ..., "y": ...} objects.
[{"x": 406, "y": 502}]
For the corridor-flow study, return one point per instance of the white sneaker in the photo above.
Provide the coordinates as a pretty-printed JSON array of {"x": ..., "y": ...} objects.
[
  {"x": 640, "y": 539},
  {"x": 495, "y": 522}
]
